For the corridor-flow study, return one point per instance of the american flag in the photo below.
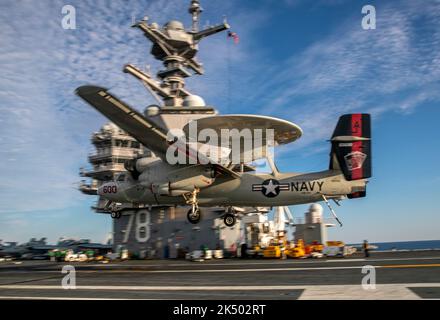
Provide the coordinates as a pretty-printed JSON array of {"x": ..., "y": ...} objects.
[{"x": 234, "y": 36}]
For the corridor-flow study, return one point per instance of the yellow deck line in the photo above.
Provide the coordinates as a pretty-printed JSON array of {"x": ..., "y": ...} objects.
[{"x": 410, "y": 265}]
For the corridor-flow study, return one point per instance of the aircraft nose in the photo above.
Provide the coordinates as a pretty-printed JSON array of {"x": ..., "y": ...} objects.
[{"x": 100, "y": 190}]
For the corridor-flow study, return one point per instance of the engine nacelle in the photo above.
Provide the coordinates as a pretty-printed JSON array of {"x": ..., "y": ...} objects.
[
  {"x": 137, "y": 166},
  {"x": 190, "y": 178},
  {"x": 162, "y": 189},
  {"x": 178, "y": 180}
]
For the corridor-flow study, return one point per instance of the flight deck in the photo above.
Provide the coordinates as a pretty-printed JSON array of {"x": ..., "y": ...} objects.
[{"x": 399, "y": 275}]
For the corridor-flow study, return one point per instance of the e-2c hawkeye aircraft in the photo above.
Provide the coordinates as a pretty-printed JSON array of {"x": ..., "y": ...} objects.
[{"x": 202, "y": 184}]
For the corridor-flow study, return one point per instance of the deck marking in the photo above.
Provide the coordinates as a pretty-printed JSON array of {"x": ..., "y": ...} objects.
[
  {"x": 241, "y": 263},
  {"x": 412, "y": 265},
  {"x": 109, "y": 271},
  {"x": 342, "y": 292},
  {"x": 268, "y": 262},
  {"x": 309, "y": 292},
  {"x": 214, "y": 288},
  {"x": 262, "y": 269},
  {"x": 61, "y": 298}
]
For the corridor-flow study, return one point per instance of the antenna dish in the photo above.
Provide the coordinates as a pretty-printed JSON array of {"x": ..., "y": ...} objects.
[
  {"x": 194, "y": 101},
  {"x": 174, "y": 25}
]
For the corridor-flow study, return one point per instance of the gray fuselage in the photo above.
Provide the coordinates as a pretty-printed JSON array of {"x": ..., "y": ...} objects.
[{"x": 249, "y": 190}]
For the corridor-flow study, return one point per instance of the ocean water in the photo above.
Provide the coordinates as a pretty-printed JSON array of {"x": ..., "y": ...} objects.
[{"x": 406, "y": 245}]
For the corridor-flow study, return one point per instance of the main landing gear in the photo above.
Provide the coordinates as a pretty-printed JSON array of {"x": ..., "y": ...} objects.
[
  {"x": 114, "y": 208},
  {"x": 229, "y": 219},
  {"x": 194, "y": 215}
]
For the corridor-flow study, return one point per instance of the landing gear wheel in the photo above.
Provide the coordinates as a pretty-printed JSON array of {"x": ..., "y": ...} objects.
[
  {"x": 194, "y": 216},
  {"x": 229, "y": 219},
  {"x": 115, "y": 215}
]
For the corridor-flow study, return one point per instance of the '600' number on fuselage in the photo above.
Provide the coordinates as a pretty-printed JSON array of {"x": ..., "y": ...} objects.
[{"x": 110, "y": 189}]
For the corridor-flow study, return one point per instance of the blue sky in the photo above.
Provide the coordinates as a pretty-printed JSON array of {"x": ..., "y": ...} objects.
[{"x": 305, "y": 61}]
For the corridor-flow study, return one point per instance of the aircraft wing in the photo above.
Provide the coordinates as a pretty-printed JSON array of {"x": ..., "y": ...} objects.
[
  {"x": 126, "y": 118},
  {"x": 139, "y": 127}
]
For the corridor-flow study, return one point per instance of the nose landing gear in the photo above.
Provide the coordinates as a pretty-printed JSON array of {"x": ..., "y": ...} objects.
[
  {"x": 114, "y": 208},
  {"x": 115, "y": 214}
]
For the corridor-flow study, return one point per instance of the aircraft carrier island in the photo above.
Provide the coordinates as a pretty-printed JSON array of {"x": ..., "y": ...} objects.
[{"x": 194, "y": 250}]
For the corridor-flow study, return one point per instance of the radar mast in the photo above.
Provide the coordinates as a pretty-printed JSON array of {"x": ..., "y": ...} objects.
[{"x": 177, "y": 49}]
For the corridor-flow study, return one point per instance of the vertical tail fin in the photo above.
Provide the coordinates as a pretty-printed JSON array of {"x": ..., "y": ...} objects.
[{"x": 351, "y": 146}]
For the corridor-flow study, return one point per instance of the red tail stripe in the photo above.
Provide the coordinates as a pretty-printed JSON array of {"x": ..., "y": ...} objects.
[
  {"x": 356, "y": 125},
  {"x": 356, "y": 130}
]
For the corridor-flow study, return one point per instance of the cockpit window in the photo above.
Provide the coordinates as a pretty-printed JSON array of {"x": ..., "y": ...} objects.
[
  {"x": 121, "y": 178},
  {"x": 261, "y": 166}
]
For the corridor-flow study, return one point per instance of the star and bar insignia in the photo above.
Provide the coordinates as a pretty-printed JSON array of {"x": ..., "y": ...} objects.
[{"x": 271, "y": 188}]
